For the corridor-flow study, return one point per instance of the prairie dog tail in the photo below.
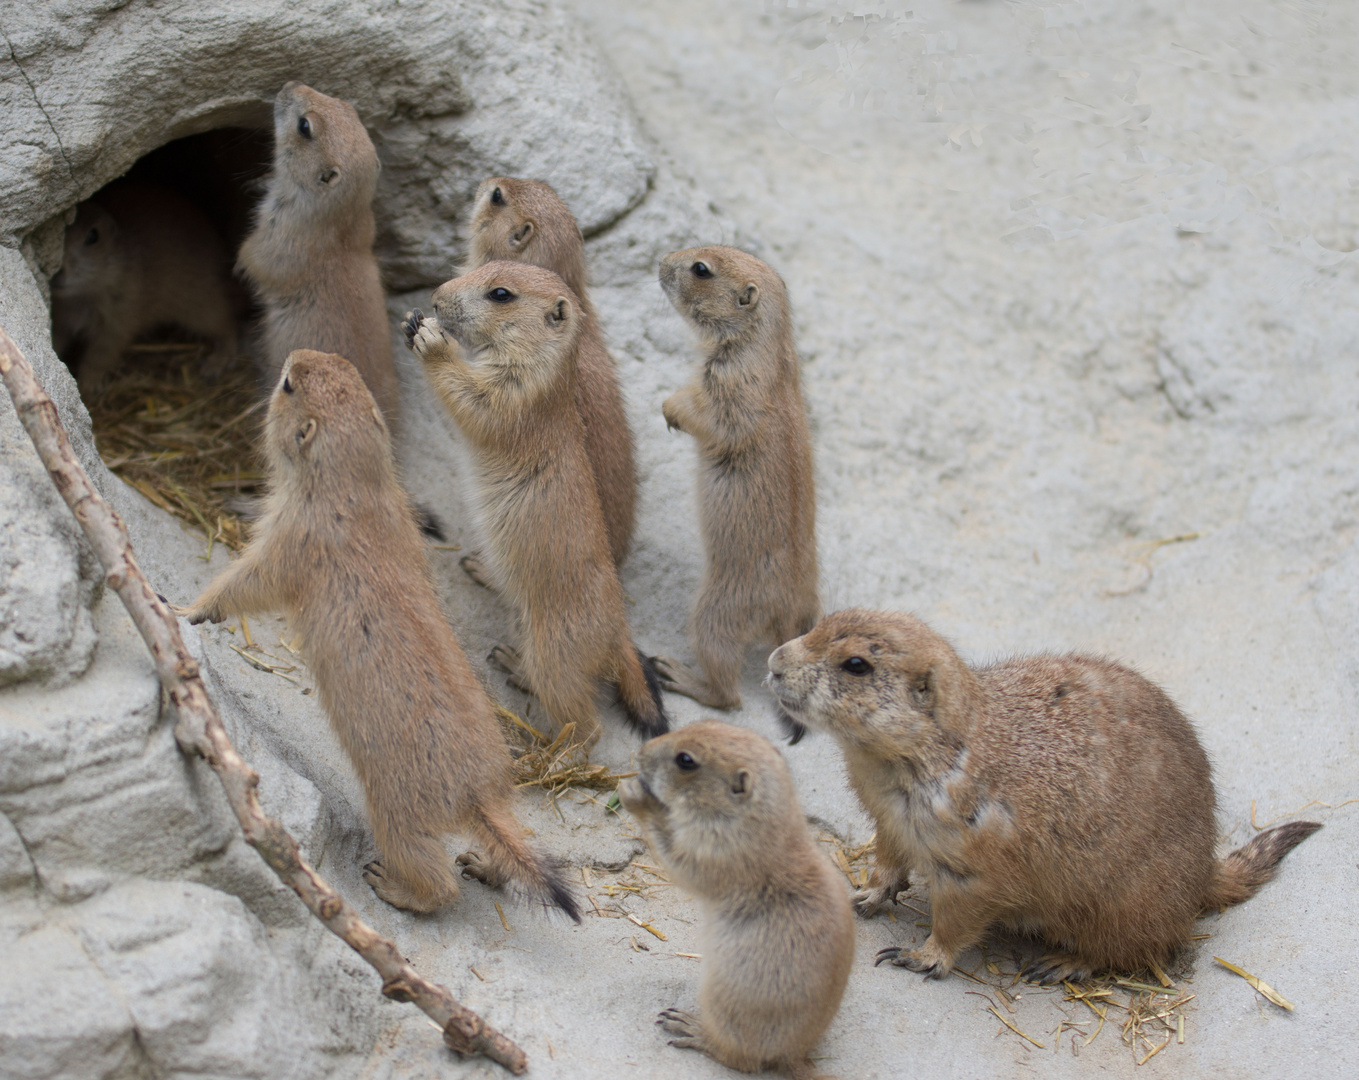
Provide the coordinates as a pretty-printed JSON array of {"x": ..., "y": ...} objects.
[
  {"x": 639, "y": 692},
  {"x": 509, "y": 858},
  {"x": 1239, "y": 875}
]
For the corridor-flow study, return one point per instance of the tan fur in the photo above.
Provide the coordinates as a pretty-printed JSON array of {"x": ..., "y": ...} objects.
[
  {"x": 338, "y": 550},
  {"x": 526, "y": 221},
  {"x": 138, "y": 256},
  {"x": 756, "y": 498},
  {"x": 512, "y": 393},
  {"x": 777, "y": 935},
  {"x": 310, "y": 256},
  {"x": 1063, "y": 796}
]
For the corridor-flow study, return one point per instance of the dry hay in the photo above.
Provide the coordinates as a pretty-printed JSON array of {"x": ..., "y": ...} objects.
[
  {"x": 188, "y": 445},
  {"x": 553, "y": 764}
]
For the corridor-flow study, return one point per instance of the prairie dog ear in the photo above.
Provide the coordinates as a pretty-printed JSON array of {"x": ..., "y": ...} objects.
[
  {"x": 521, "y": 235},
  {"x": 559, "y": 312},
  {"x": 922, "y": 690},
  {"x": 741, "y": 783},
  {"x": 750, "y": 296},
  {"x": 306, "y": 433}
]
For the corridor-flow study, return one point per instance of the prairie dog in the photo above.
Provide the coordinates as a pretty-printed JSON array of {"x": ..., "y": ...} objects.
[
  {"x": 138, "y": 256},
  {"x": 338, "y": 549},
  {"x": 526, "y": 221},
  {"x": 1063, "y": 796},
  {"x": 310, "y": 254},
  {"x": 511, "y": 388},
  {"x": 756, "y": 501},
  {"x": 717, "y": 805}
]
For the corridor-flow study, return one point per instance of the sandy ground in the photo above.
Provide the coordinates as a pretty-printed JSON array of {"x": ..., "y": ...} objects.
[{"x": 1076, "y": 309}]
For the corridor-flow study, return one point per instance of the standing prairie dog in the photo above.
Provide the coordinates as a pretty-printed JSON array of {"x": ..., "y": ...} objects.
[
  {"x": 756, "y": 501},
  {"x": 138, "y": 256},
  {"x": 310, "y": 255},
  {"x": 513, "y": 395},
  {"x": 526, "y": 221},
  {"x": 1062, "y": 796},
  {"x": 339, "y": 550},
  {"x": 717, "y": 805}
]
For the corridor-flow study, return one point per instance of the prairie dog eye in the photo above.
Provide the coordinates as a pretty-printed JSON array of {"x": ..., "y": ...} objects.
[
  {"x": 685, "y": 761},
  {"x": 287, "y": 384},
  {"x": 700, "y": 270},
  {"x": 500, "y": 295},
  {"x": 304, "y": 127},
  {"x": 92, "y": 237},
  {"x": 857, "y": 665},
  {"x": 497, "y": 198}
]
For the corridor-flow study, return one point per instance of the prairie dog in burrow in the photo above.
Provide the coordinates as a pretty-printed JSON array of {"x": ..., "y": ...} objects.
[
  {"x": 310, "y": 255},
  {"x": 526, "y": 221},
  {"x": 511, "y": 388},
  {"x": 338, "y": 549},
  {"x": 136, "y": 257},
  {"x": 756, "y": 498},
  {"x": 717, "y": 805},
  {"x": 1062, "y": 796}
]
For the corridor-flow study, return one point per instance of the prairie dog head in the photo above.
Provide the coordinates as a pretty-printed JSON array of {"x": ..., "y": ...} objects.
[
  {"x": 321, "y": 150},
  {"x": 882, "y": 680},
  {"x": 713, "y": 798},
  {"x": 526, "y": 221},
  {"x": 323, "y": 421},
  {"x": 90, "y": 259},
  {"x": 722, "y": 291},
  {"x": 511, "y": 315}
]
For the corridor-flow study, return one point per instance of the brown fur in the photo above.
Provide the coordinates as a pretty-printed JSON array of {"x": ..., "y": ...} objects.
[
  {"x": 526, "y": 221},
  {"x": 778, "y": 935},
  {"x": 756, "y": 499},
  {"x": 1064, "y": 796},
  {"x": 310, "y": 256},
  {"x": 338, "y": 549},
  {"x": 136, "y": 257},
  {"x": 546, "y": 550}
]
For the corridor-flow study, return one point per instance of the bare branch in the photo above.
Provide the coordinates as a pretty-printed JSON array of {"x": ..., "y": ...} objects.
[{"x": 199, "y": 729}]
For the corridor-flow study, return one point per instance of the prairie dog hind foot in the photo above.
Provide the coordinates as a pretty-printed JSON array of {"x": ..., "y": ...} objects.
[
  {"x": 474, "y": 568},
  {"x": 680, "y": 678},
  {"x": 396, "y": 892},
  {"x": 505, "y": 658},
  {"x": 686, "y": 1025}
]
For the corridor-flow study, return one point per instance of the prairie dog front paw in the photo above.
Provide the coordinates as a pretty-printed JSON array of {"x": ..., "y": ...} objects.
[{"x": 425, "y": 337}]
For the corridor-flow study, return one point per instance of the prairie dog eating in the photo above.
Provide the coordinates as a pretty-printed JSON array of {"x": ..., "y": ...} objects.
[
  {"x": 756, "y": 496},
  {"x": 310, "y": 255},
  {"x": 1062, "y": 796},
  {"x": 338, "y": 549},
  {"x": 717, "y": 805},
  {"x": 138, "y": 256},
  {"x": 526, "y": 221},
  {"x": 511, "y": 389}
]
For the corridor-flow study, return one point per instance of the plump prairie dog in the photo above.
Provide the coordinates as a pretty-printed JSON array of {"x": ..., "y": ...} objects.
[
  {"x": 137, "y": 257},
  {"x": 526, "y": 221},
  {"x": 339, "y": 551},
  {"x": 1062, "y": 796},
  {"x": 310, "y": 255},
  {"x": 510, "y": 387},
  {"x": 717, "y": 805},
  {"x": 756, "y": 501}
]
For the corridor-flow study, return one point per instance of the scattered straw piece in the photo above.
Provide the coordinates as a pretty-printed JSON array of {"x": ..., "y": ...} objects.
[
  {"x": 1260, "y": 985},
  {"x": 1161, "y": 976},
  {"x": 1155, "y": 1050},
  {"x": 992, "y": 1010},
  {"x": 503, "y": 921},
  {"x": 646, "y": 926}
]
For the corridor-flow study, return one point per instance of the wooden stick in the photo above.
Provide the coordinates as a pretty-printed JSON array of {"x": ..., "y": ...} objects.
[{"x": 199, "y": 729}]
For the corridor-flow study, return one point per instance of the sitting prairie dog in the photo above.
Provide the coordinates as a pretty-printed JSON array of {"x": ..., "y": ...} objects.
[
  {"x": 526, "y": 221},
  {"x": 756, "y": 501},
  {"x": 310, "y": 255},
  {"x": 338, "y": 549},
  {"x": 136, "y": 257},
  {"x": 1063, "y": 796},
  {"x": 510, "y": 387},
  {"x": 717, "y": 805}
]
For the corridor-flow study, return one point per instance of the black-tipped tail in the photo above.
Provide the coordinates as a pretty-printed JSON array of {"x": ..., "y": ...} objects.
[
  {"x": 1240, "y": 874},
  {"x": 430, "y": 525},
  {"x": 639, "y": 692},
  {"x": 794, "y": 729},
  {"x": 560, "y": 894}
]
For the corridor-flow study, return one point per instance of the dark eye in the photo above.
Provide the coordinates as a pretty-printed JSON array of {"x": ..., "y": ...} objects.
[
  {"x": 497, "y": 198},
  {"x": 92, "y": 237},
  {"x": 701, "y": 270},
  {"x": 685, "y": 762},
  {"x": 857, "y": 665},
  {"x": 304, "y": 127},
  {"x": 500, "y": 296},
  {"x": 287, "y": 385}
]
